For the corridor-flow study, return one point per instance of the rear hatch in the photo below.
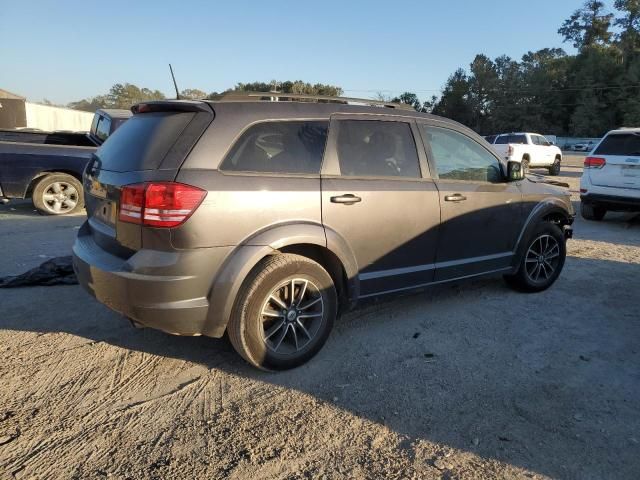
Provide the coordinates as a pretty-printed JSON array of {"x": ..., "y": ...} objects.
[
  {"x": 150, "y": 147},
  {"x": 621, "y": 167}
]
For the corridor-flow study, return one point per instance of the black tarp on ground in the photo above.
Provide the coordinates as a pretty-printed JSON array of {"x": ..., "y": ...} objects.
[{"x": 57, "y": 271}]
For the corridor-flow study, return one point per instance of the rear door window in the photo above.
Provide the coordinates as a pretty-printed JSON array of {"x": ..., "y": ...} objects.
[
  {"x": 374, "y": 148},
  {"x": 620, "y": 144},
  {"x": 279, "y": 147},
  {"x": 458, "y": 157}
]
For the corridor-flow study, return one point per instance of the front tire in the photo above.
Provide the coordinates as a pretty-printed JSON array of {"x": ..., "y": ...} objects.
[
  {"x": 592, "y": 212},
  {"x": 58, "y": 194},
  {"x": 542, "y": 260},
  {"x": 284, "y": 312}
]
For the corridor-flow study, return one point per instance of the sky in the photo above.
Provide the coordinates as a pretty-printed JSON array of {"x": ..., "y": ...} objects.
[{"x": 69, "y": 50}]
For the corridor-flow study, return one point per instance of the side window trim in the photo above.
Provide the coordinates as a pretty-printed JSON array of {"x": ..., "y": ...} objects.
[
  {"x": 431, "y": 158},
  {"x": 331, "y": 162}
]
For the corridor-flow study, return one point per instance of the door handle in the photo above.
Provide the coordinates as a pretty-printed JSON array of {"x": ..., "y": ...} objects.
[
  {"x": 455, "y": 198},
  {"x": 348, "y": 199}
]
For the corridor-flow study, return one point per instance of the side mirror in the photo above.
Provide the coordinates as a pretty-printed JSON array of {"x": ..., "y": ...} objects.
[{"x": 515, "y": 171}]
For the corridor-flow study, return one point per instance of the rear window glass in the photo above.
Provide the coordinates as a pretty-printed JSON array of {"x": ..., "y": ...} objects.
[
  {"x": 518, "y": 139},
  {"x": 142, "y": 142},
  {"x": 620, "y": 144},
  {"x": 279, "y": 147}
]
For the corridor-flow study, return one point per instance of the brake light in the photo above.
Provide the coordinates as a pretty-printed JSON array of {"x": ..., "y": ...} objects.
[
  {"x": 594, "y": 162},
  {"x": 159, "y": 204}
]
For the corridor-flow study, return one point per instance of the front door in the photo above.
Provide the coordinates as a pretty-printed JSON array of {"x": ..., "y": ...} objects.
[
  {"x": 482, "y": 214},
  {"x": 377, "y": 199}
]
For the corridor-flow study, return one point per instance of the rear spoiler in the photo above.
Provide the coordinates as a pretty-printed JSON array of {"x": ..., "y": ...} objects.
[{"x": 171, "y": 106}]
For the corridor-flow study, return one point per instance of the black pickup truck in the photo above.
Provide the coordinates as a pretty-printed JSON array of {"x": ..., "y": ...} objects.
[{"x": 48, "y": 166}]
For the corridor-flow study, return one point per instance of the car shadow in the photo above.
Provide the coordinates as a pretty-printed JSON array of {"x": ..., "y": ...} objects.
[
  {"x": 471, "y": 366},
  {"x": 25, "y": 209}
]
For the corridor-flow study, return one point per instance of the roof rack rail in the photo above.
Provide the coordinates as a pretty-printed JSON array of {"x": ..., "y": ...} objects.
[{"x": 293, "y": 97}]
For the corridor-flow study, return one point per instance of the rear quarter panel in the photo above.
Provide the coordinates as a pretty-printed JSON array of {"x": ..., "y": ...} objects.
[{"x": 239, "y": 207}]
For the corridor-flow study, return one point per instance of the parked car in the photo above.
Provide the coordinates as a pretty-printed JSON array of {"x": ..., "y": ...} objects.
[
  {"x": 531, "y": 149},
  {"x": 47, "y": 166},
  {"x": 582, "y": 147},
  {"x": 266, "y": 219},
  {"x": 611, "y": 178}
]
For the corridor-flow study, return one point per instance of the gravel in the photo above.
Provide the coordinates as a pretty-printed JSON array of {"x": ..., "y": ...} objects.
[{"x": 468, "y": 381}]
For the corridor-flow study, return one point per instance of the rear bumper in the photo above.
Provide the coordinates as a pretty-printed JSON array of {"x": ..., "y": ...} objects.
[
  {"x": 167, "y": 291},
  {"x": 612, "y": 202}
]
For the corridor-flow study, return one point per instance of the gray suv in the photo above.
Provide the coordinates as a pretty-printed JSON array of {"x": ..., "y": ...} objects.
[{"x": 265, "y": 219}]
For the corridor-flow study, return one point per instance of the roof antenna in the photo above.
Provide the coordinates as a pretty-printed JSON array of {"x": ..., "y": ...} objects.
[{"x": 174, "y": 82}]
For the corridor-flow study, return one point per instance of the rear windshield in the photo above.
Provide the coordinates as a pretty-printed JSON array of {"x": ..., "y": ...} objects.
[
  {"x": 504, "y": 139},
  {"x": 620, "y": 144},
  {"x": 142, "y": 142}
]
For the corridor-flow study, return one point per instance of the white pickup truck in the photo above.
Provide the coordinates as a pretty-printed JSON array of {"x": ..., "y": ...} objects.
[{"x": 531, "y": 149}]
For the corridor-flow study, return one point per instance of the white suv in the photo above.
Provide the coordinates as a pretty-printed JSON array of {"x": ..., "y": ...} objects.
[{"x": 611, "y": 178}]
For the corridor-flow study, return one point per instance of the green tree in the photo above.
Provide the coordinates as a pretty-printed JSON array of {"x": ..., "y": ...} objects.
[
  {"x": 409, "y": 98},
  {"x": 589, "y": 26},
  {"x": 125, "y": 95},
  {"x": 483, "y": 82},
  {"x": 90, "y": 104},
  {"x": 192, "y": 94},
  {"x": 629, "y": 23},
  {"x": 454, "y": 102},
  {"x": 296, "y": 86}
]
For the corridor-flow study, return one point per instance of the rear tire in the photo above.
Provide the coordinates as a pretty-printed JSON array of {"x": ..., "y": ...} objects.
[
  {"x": 555, "y": 168},
  {"x": 592, "y": 212},
  {"x": 58, "y": 194},
  {"x": 275, "y": 330},
  {"x": 542, "y": 261}
]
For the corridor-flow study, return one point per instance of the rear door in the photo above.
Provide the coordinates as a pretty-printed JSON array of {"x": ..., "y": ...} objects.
[
  {"x": 378, "y": 197},
  {"x": 542, "y": 152},
  {"x": 622, "y": 154},
  {"x": 151, "y": 146},
  {"x": 481, "y": 213}
]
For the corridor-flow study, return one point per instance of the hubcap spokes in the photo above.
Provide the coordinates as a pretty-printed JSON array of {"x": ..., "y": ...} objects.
[
  {"x": 60, "y": 197},
  {"x": 291, "y": 316},
  {"x": 542, "y": 258}
]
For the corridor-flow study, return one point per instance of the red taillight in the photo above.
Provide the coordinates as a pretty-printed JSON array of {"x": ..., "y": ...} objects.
[
  {"x": 132, "y": 203},
  {"x": 159, "y": 204},
  {"x": 594, "y": 162}
]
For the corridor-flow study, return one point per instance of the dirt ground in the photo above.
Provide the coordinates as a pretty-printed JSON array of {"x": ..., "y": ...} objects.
[{"x": 467, "y": 381}]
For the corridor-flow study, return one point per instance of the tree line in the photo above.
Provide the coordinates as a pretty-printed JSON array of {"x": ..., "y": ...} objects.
[
  {"x": 548, "y": 91},
  {"x": 123, "y": 95}
]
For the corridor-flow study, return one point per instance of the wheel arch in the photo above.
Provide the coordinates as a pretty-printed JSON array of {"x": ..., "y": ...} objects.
[
  {"x": 551, "y": 210},
  {"x": 45, "y": 173},
  {"x": 307, "y": 239}
]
